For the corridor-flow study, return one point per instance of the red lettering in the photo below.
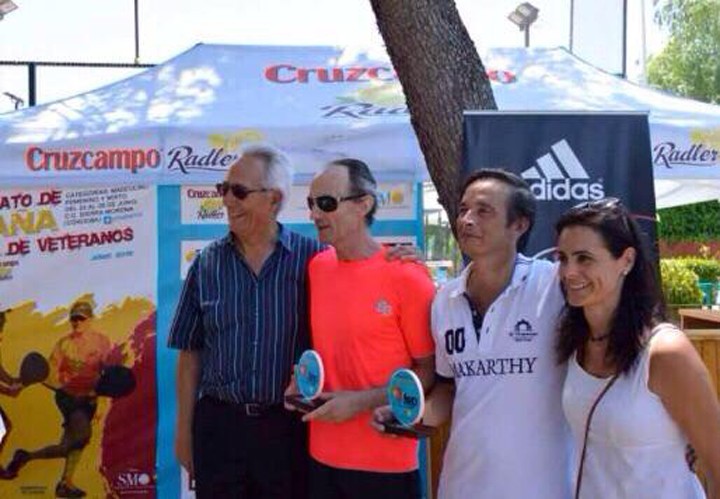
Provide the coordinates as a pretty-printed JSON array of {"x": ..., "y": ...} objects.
[
  {"x": 302, "y": 74},
  {"x": 87, "y": 160},
  {"x": 374, "y": 74},
  {"x": 287, "y": 73},
  {"x": 61, "y": 160},
  {"x": 153, "y": 158},
  {"x": 322, "y": 75},
  {"x": 354, "y": 74},
  {"x": 273, "y": 73},
  {"x": 37, "y": 159},
  {"x": 75, "y": 157},
  {"x": 138, "y": 159},
  {"x": 30, "y": 156}
]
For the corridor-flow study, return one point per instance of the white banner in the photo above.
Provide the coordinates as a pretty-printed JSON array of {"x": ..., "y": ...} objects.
[{"x": 90, "y": 249}]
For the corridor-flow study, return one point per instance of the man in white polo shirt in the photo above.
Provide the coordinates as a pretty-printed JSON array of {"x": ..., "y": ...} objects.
[{"x": 494, "y": 328}]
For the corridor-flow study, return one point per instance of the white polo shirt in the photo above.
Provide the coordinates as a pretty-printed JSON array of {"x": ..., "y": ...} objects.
[{"x": 508, "y": 438}]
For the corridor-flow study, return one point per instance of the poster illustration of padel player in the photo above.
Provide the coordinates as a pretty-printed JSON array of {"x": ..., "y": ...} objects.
[{"x": 88, "y": 377}]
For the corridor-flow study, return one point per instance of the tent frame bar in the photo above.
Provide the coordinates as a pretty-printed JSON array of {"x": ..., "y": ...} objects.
[{"x": 33, "y": 65}]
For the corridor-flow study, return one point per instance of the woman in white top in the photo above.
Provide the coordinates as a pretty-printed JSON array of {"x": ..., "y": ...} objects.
[{"x": 651, "y": 392}]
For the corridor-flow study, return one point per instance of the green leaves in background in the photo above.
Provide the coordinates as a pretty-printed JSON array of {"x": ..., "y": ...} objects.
[
  {"x": 706, "y": 269},
  {"x": 682, "y": 279},
  {"x": 689, "y": 64},
  {"x": 679, "y": 283},
  {"x": 692, "y": 222}
]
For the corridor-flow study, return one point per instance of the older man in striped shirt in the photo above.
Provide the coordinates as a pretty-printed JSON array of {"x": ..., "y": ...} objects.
[{"x": 240, "y": 323}]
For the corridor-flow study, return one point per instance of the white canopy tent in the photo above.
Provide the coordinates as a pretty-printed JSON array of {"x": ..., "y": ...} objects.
[{"x": 186, "y": 119}]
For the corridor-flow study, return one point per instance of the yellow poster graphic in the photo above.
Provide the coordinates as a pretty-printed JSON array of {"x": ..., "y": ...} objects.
[{"x": 77, "y": 343}]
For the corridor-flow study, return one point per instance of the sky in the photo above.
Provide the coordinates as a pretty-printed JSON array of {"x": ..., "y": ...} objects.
[{"x": 104, "y": 31}]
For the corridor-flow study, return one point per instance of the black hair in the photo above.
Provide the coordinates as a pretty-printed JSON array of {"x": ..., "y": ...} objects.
[
  {"x": 641, "y": 303},
  {"x": 521, "y": 201},
  {"x": 361, "y": 182}
]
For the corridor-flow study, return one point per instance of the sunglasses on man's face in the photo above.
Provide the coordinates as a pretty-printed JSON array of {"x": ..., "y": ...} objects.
[
  {"x": 329, "y": 204},
  {"x": 238, "y": 190},
  {"x": 78, "y": 318}
]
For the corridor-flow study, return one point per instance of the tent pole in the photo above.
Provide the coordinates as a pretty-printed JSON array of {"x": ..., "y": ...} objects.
[
  {"x": 624, "y": 41},
  {"x": 137, "y": 35},
  {"x": 32, "y": 84},
  {"x": 572, "y": 23}
]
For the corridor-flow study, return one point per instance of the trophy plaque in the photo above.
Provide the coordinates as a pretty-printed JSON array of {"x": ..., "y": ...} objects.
[
  {"x": 407, "y": 403},
  {"x": 309, "y": 378}
]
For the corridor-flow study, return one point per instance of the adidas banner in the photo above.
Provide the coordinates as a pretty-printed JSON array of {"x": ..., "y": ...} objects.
[{"x": 567, "y": 158}]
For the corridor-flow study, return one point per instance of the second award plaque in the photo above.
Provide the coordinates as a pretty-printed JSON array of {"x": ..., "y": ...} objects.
[{"x": 407, "y": 403}]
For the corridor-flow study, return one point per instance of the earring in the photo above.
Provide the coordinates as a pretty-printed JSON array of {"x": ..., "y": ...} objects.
[{"x": 625, "y": 272}]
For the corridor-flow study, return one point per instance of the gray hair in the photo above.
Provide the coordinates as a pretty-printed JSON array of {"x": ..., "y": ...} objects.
[{"x": 279, "y": 171}]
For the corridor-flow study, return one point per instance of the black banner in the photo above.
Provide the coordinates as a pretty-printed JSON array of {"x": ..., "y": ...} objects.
[{"x": 567, "y": 158}]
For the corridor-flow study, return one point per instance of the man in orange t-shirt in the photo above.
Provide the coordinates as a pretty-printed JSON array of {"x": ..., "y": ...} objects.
[{"x": 369, "y": 317}]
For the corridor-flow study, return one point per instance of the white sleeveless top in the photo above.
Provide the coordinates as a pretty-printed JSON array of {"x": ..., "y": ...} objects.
[{"x": 635, "y": 450}]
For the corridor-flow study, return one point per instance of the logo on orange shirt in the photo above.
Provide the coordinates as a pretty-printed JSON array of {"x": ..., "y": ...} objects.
[{"x": 382, "y": 307}]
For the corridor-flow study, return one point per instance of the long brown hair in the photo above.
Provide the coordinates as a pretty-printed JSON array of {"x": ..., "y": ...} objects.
[{"x": 641, "y": 303}]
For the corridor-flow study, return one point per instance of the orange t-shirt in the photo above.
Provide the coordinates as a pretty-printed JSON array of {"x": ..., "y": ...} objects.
[
  {"x": 368, "y": 318},
  {"x": 77, "y": 361}
]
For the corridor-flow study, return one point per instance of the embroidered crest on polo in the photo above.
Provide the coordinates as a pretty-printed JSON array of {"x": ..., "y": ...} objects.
[
  {"x": 523, "y": 331},
  {"x": 383, "y": 307}
]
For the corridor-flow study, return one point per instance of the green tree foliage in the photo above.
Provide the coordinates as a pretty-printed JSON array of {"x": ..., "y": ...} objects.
[
  {"x": 679, "y": 283},
  {"x": 707, "y": 269},
  {"x": 689, "y": 65},
  {"x": 692, "y": 222}
]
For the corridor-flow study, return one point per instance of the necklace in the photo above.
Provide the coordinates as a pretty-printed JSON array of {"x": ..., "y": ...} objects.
[{"x": 598, "y": 339}]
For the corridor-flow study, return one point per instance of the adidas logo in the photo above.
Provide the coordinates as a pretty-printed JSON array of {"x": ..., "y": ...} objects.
[{"x": 559, "y": 176}]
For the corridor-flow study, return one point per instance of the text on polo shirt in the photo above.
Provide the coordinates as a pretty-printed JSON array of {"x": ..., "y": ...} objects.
[{"x": 493, "y": 367}]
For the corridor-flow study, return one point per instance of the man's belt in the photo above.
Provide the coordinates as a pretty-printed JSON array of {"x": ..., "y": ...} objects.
[
  {"x": 249, "y": 409},
  {"x": 257, "y": 410}
]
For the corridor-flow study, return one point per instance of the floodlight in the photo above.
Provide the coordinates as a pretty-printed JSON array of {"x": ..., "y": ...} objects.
[
  {"x": 523, "y": 16},
  {"x": 6, "y": 6}
]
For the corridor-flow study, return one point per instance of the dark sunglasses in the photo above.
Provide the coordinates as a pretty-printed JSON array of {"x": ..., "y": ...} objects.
[
  {"x": 238, "y": 190},
  {"x": 329, "y": 203},
  {"x": 78, "y": 318},
  {"x": 608, "y": 203}
]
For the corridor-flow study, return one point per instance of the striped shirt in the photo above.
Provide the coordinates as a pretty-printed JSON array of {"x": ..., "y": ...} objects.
[{"x": 248, "y": 328}]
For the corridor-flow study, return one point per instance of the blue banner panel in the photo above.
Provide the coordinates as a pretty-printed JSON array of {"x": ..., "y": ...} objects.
[{"x": 568, "y": 159}]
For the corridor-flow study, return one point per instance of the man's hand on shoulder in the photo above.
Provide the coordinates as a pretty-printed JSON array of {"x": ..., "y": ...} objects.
[
  {"x": 406, "y": 253},
  {"x": 403, "y": 253}
]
